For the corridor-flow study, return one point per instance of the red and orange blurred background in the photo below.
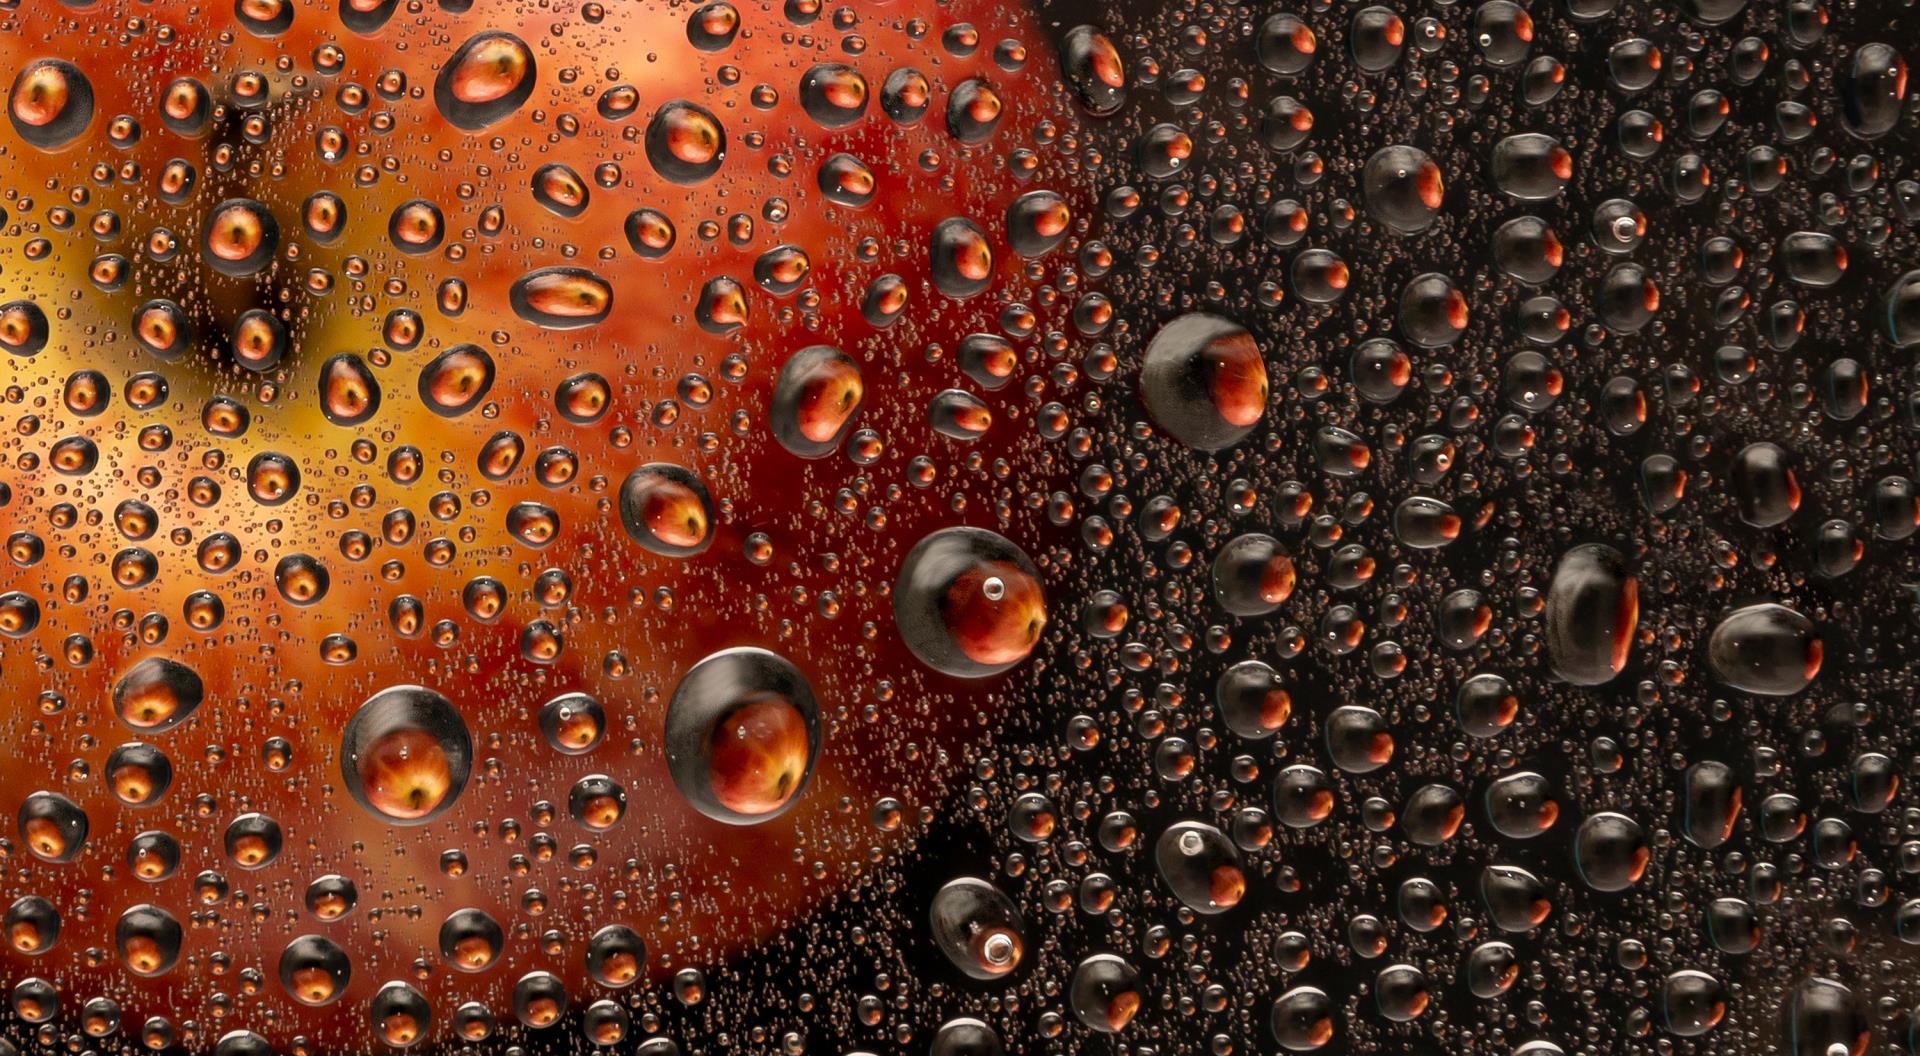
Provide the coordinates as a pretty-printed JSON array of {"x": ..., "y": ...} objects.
[{"x": 635, "y": 621}]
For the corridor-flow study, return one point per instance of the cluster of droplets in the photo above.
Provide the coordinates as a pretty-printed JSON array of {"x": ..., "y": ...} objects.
[
  {"x": 1451, "y": 475},
  {"x": 1482, "y": 525},
  {"x": 394, "y": 688}
]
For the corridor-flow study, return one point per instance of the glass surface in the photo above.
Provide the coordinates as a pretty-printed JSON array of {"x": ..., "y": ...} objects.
[{"x": 959, "y": 528}]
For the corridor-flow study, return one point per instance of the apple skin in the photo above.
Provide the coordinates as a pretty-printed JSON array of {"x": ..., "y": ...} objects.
[
  {"x": 489, "y": 699},
  {"x": 758, "y": 755}
]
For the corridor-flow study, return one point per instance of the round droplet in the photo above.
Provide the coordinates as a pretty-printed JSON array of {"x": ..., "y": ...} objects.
[
  {"x": 1204, "y": 381},
  {"x": 572, "y": 723},
  {"x": 978, "y": 928},
  {"x": 539, "y": 999},
  {"x": 562, "y": 298},
  {"x": 349, "y": 393},
  {"x": 1403, "y": 188},
  {"x": 815, "y": 400},
  {"x": 1592, "y": 611},
  {"x": 1767, "y": 649},
  {"x": 1302, "y": 1019},
  {"x": 961, "y": 258},
  {"x": 239, "y": 237},
  {"x": 742, "y": 732},
  {"x": 33, "y": 925},
  {"x": 51, "y": 103},
  {"x": 1253, "y": 574},
  {"x": 597, "y": 802},
  {"x": 253, "y": 840},
  {"x": 23, "y": 328},
  {"x": 834, "y": 95},
  {"x": 667, "y": 509},
  {"x": 314, "y": 970},
  {"x": 1201, "y": 866},
  {"x": 969, "y": 603},
  {"x": 1692, "y": 1003},
  {"x": 157, "y": 694},
  {"x": 712, "y": 27},
  {"x": 616, "y": 956},
  {"x": 162, "y": 329},
  {"x": 685, "y": 143},
  {"x": 457, "y": 380},
  {"x": 1094, "y": 70},
  {"x": 470, "y": 940},
  {"x": 139, "y": 774},
  {"x": 406, "y": 755},
  {"x": 1252, "y": 700},
  {"x": 1105, "y": 993},
  {"x": 148, "y": 940},
  {"x": 399, "y": 1015},
  {"x": 485, "y": 80}
]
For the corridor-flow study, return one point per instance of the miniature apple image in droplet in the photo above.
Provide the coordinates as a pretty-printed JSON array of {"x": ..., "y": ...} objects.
[
  {"x": 51, "y": 103},
  {"x": 969, "y": 603},
  {"x": 148, "y": 939},
  {"x": 561, "y": 298},
  {"x": 815, "y": 400},
  {"x": 314, "y": 970},
  {"x": 742, "y": 734},
  {"x": 1204, "y": 382},
  {"x": 470, "y": 940},
  {"x": 1766, "y": 649},
  {"x": 685, "y": 143},
  {"x": 406, "y": 755},
  {"x": 485, "y": 80},
  {"x": 157, "y": 694},
  {"x": 667, "y": 509},
  {"x": 978, "y": 928}
]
